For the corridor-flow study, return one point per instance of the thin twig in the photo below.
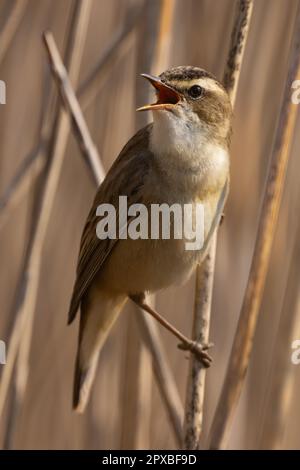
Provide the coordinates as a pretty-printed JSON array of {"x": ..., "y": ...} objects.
[
  {"x": 21, "y": 335},
  {"x": 72, "y": 106},
  {"x": 167, "y": 385},
  {"x": 205, "y": 272},
  {"x": 238, "y": 41},
  {"x": 11, "y": 25},
  {"x": 242, "y": 344}
]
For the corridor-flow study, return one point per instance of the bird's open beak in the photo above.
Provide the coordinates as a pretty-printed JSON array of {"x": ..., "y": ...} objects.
[{"x": 167, "y": 96}]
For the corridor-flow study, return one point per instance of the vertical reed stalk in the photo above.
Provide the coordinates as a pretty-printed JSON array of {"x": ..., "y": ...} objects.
[
  {"x": 153, "y": 48},
  {"x": 243, "y": 340},
  {"x": 205, "y": 272}
]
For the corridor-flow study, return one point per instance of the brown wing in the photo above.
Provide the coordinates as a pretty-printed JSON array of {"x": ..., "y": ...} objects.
[{"x": 125, "y": 178}]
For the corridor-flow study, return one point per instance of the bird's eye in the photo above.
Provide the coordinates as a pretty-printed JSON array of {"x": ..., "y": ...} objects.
[{"x": 195, "y": 91}]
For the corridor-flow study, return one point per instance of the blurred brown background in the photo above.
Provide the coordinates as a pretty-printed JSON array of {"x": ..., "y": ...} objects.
[{"x": 200, "y": 36}]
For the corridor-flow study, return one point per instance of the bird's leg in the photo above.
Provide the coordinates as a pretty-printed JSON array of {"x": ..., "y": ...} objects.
[{"x": 200, "y": 351}]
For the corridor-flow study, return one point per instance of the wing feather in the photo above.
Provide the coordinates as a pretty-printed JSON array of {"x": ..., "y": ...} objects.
[{"x": 126, "y": 177}]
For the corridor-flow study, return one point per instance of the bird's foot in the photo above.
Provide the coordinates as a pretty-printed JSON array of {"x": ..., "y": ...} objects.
[{"x": 199, "y": 351}]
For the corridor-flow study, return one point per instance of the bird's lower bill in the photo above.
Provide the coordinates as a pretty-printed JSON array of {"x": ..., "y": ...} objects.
[{"x": 167, "y": 96}]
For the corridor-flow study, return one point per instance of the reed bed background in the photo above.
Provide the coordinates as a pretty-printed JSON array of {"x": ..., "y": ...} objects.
[{"x": 46, "y": 188}]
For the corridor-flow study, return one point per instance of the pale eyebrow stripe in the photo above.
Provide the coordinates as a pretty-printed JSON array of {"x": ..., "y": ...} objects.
[{"x": 206, "y": 83}]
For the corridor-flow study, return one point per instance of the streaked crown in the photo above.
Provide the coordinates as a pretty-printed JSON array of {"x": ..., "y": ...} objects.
[{"x": 204, "y": 94}]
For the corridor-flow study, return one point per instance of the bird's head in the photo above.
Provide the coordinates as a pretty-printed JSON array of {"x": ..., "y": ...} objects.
[{"x": 193, "y": 96}]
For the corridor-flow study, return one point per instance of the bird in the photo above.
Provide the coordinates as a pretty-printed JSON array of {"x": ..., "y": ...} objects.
[{"x": 181, "y": 157}]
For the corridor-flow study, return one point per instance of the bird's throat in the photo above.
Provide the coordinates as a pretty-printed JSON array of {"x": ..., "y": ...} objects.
[{"x": 188, "y": 154}]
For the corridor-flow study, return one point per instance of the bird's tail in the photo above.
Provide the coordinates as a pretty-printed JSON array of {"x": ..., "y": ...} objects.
[
  {"x": 83, "y": 381},
  {"x": 98, "y": 314}
]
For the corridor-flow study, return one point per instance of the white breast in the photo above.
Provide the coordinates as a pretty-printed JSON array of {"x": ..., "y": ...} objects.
[{"x": 186, "y": 153}]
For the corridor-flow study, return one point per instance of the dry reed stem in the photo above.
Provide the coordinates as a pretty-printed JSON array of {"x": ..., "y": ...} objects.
[
  {"x": 166, "y": 385},
  {"x": 11, "y": 25},
  {"x": 205, "y": 272},
  {"x": 242, "y": 344},
  {"x": 21, "y": 336},
  {"x": 35, "y": 161},
  {"x": 278, "y": 400},
  {"x": 164, "y": 376}
]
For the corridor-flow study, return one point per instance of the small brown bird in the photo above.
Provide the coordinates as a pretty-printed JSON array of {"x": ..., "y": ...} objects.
[{"x": 182, "y": 157}]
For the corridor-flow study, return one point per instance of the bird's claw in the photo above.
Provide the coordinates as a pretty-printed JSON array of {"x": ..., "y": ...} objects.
[{"x": 199, "y": 350}]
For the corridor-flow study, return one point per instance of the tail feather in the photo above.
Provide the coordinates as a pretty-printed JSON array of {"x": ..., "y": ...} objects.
[
  {"x": 83, "y": 381},
  {"x": 74, "y": 306},
  {"x": 98, "y": 314}
]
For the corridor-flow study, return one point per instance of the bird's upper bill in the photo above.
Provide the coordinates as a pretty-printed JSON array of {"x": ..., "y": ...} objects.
[{"x": 167, "y": 96}]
